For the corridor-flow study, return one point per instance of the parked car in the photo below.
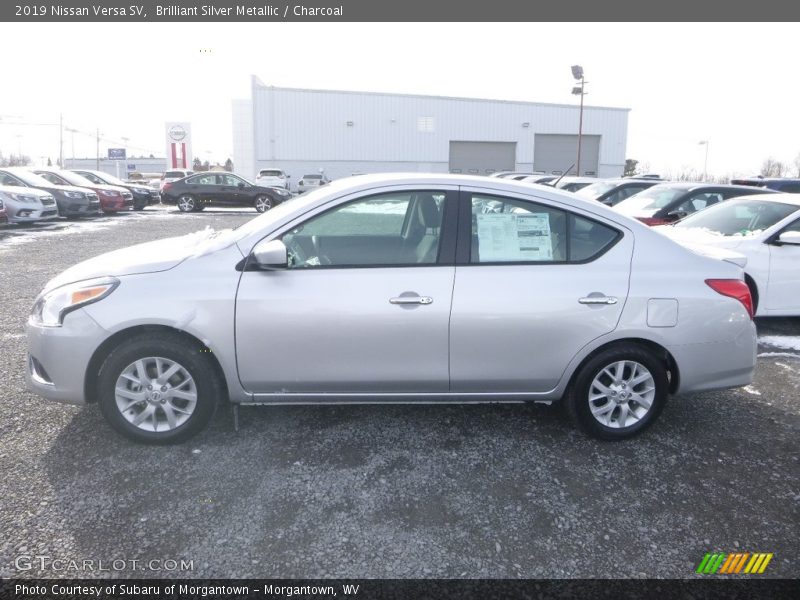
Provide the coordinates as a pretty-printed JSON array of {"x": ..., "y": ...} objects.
[
  {"x": 173, "y": 175},
  {"x": 27, "y": 205},
  {"x": 112, "y": 198},
  {"x": 312, "y": 181},
  {"x": 614, "y": 191},
  {"x": 573, "y": 183},
  {"x": 669, "y": 202},
  {"x": 276, "y": 178},
  {"x": 142, "y": 194},
  {"x": 766, "y": 230},
  {"x": 72, "y": 201},
  {"x": 3, "y": 215},
  {"x": 218, "y": 188},
  {"x": 543, "y": 179},
  {"x": 389, "y": 288},
  {"x": 779, "y": 184}
]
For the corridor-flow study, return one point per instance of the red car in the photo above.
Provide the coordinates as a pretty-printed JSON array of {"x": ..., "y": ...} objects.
[{"x": 113, "y": 198}]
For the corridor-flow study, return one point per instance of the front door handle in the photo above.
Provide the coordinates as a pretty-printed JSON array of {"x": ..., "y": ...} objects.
[
  {"x": 411, "y": 300},
  {"x": 598, "y": 300}
]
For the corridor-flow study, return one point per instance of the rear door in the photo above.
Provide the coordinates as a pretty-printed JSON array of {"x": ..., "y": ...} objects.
[{"x": 534, "y": 284}]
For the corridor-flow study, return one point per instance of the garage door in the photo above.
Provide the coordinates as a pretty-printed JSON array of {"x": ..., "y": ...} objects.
[
  {"x": 557, "y": 153},
  {"x": 482, "y": 158}
]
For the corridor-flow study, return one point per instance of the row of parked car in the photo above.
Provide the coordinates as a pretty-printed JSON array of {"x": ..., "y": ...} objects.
[{"x": 28, "y": 195}]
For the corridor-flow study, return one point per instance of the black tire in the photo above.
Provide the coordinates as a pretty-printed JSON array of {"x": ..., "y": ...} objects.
[
  {"x": 263, "y": 203},
  {"x": 190, "y": 357},
  {"x": 187, "y": 203},
  {"x": 579, "y": 407}
]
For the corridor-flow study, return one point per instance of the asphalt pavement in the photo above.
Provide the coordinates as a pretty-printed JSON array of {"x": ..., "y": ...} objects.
[{"x": 496, "y": 491}]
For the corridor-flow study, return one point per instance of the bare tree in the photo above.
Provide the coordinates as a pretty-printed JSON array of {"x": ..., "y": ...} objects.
[
  {"x": 630, "y": 167},
  {"x": 797, "y": 164},
  {"x": 773, "y": 168}
]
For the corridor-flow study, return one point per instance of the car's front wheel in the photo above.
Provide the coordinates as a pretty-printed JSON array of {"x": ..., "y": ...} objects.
[
  {"x": 156, "y": 389},
  {"x": 263, "y": 203},
  {"x": 619, "y": 392},
  {"x": 187, "y": 203}
]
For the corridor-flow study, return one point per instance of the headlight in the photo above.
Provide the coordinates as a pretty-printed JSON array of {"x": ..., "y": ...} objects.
[
  {"x": 73, "y": 194},
  {"x": 18, "y": 197},
  {"x": 50, "y": 308},
  {"x": 280, "y": 192}
]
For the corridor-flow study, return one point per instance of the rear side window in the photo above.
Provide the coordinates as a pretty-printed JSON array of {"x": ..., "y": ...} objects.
[{"x": 516, "y": 231}]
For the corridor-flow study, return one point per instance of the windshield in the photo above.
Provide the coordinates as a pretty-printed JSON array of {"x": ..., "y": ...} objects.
[
  {"x": 28, "y": 178},
  {"x": 74, "y": 178},
  {"x": 739, "y": 217},
  {"x": 267, "y": 220},
  {"x": 110, "y": 179},
  {"x": 596, "y": 189},
  {"x": 654, "y": 198}
]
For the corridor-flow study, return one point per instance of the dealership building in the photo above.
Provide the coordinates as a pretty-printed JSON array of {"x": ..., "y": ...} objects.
[{"x": 343, "y": 133}]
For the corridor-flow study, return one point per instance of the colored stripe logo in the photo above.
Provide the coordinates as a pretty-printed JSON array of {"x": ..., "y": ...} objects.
[{"x": 720, "y": 563}]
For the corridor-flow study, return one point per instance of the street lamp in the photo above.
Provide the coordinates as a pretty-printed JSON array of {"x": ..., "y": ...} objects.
[
  {"x": 577, "y": 73},
  {"x": 705, "y": 163}
]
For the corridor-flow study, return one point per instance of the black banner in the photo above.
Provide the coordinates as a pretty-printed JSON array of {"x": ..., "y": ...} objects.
[
  {"x": 393, "y": 10},
  {"x": 382, "y": 589}
]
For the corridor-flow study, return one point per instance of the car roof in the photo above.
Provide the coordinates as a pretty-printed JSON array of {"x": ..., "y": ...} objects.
[
  {"x": 779, "y": 197},
  {"x": 694, "y": 185}
]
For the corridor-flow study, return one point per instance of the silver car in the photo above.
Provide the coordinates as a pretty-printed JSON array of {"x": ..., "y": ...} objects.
[
  {"x": 28, "y": 205},
  {"x": 397, "y": 288}
]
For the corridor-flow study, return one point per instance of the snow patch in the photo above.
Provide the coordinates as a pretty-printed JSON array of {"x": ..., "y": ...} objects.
[{"x": 786, "y": 342}]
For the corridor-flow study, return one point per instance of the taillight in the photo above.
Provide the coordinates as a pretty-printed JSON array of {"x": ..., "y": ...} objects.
[
  {"x": 165, "y": 187},
  {"x": 733, "y": 288},
  {"x": 653, "y": 221}
]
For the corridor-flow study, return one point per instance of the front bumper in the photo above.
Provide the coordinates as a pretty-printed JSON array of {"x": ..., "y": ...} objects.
[
  {"x": 79, "y": 209},
  {"x": 25, "y": 215},
  {"x": 59, "y": 356}
]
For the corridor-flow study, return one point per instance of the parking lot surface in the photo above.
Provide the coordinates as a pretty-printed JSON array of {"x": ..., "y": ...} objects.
[{"x": 384, "y": 491}]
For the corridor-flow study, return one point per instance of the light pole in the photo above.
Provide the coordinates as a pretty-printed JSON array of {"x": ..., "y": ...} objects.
[
  {"x": 577, "y": 73},
  {"x": 72, "y": 133},
  {"x": 705, "y": 162}
]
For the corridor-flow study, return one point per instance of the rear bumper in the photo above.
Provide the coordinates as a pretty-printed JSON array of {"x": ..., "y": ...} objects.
[{"x": 717, "y": 365}]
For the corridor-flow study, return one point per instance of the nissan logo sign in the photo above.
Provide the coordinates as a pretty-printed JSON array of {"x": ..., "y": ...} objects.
[{"x": 176, "y": 132}]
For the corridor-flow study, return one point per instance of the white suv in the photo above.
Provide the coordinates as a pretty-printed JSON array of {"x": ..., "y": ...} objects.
[
  {"x": 273, "y": 178},
  {"x": 174, "y": 175}
]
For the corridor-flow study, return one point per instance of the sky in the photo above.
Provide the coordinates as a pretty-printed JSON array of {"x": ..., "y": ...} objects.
[{"x": 733, "y": 84}]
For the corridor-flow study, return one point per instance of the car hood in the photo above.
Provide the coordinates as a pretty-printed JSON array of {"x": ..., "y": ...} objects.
[
  {"x": 150, "y": 257},
  {"x": 705, "y": 242}
]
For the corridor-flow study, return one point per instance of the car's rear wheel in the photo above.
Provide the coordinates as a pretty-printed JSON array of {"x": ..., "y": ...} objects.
[
  {"x": 263, "y": 203},
  {"x": 619, "y": 392},
  {"x": 187, "y": 203},
  {"x": 156, "y": 389}
]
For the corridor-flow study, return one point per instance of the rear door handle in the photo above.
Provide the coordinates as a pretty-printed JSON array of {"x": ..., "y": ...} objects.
[
  {"x": 411, "y": 300},
  {"x": 598, "y": 300}
]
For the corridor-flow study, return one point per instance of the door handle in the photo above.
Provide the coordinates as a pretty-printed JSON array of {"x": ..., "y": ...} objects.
[
  {"x": 598, "y": 300},
  {"x": 411, "y": 300}
]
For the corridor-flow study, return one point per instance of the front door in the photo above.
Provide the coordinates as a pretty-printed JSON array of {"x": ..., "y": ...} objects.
[
  {"x": 362, "y": 308},
  {"x": 783, "y": 287}
]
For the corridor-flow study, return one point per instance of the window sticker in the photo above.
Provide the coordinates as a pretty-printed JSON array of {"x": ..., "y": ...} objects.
[{"x": 514, "y": 237}]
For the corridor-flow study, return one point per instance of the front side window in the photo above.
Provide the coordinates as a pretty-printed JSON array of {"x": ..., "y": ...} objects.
[
  {"x": 506, "y": 230},
  {"x": 399, "y": 228},
  {"x": 699, "y": 202}
]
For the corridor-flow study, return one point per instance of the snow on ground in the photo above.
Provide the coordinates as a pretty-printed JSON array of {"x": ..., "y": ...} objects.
[{"x": 784, "y": 342}]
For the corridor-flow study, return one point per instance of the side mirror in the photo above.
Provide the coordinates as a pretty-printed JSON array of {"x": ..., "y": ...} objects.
[
  {"x": 675, "y": 215},
  {"x": 271, "y": 255},
  {"x": 792, "y": 238}
]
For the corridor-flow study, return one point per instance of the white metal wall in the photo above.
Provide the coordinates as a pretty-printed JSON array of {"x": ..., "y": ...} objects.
[{"x": 346, "y": 132}]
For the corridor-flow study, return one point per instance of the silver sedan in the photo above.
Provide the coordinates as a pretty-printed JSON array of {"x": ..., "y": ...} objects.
[
  {"x": 398, "y": 288},
  {"x": 28, "y": 205}
]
